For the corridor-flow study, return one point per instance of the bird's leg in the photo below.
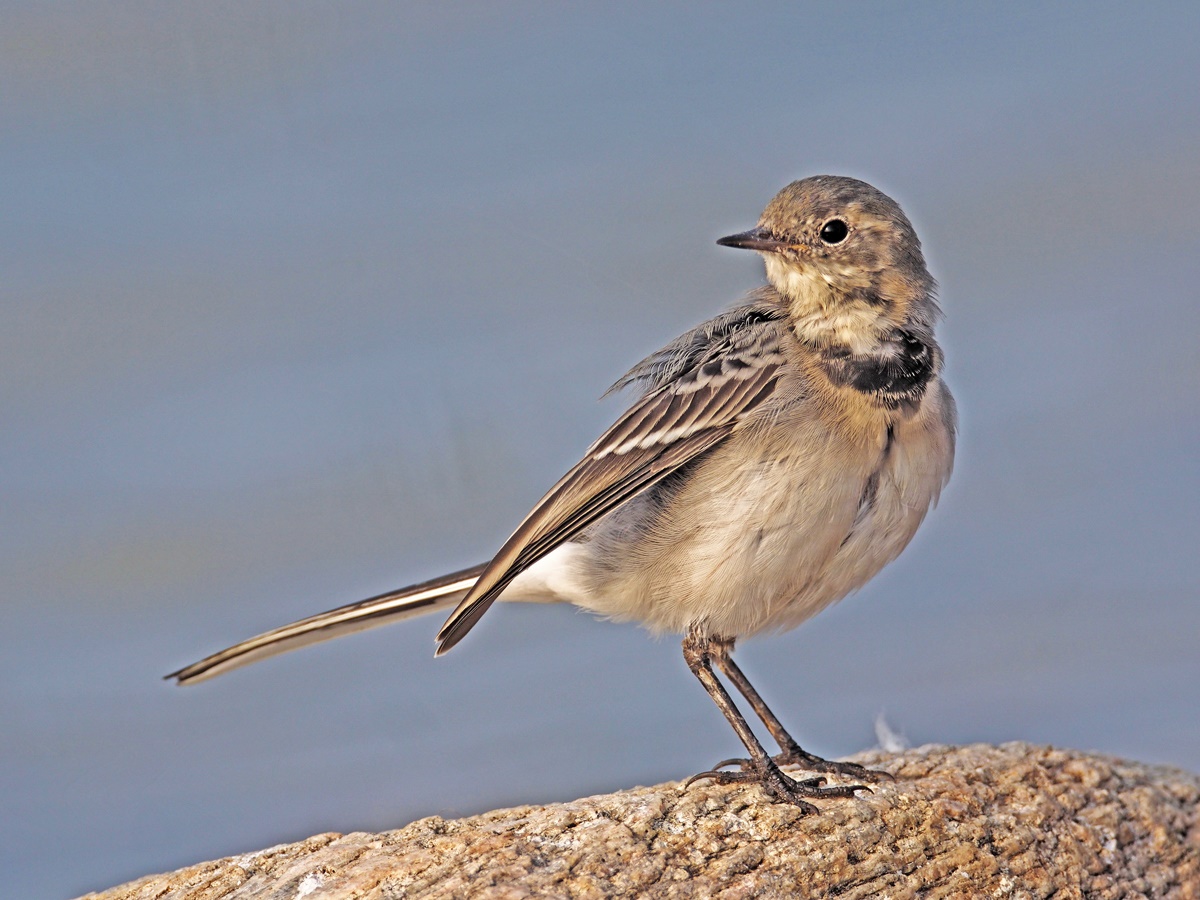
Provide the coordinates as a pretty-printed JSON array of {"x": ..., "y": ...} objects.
[
  {"x": 791, "y": 752},
  {"x": 697, "y": 652}
]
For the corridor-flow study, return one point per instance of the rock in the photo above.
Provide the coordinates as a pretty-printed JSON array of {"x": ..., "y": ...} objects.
[{"x": 977, "y": 821}]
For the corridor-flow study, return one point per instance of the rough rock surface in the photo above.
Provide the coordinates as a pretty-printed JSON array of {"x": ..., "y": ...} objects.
[{"x": 977, "y": 821}]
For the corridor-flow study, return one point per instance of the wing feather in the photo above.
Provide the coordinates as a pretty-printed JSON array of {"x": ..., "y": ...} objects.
[{"x": 728, "y": 372}]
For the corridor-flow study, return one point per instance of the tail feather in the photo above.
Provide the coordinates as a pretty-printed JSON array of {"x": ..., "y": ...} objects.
[{"x": 384, "y": 609}]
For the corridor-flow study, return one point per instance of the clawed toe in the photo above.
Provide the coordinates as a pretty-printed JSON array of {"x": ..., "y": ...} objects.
[
  {"x": 794, "y": 756},
  {"x": 797, "y": 757},
  {"x": 779, "y": 786},
  {"x": 711, "y": 775}
]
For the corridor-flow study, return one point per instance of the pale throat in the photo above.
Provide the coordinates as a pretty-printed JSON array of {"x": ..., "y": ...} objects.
[{"x": 820, "y": 316}]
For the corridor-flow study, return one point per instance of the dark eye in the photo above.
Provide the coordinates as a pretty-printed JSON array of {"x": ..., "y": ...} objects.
[{"x": 834, "y": 231}]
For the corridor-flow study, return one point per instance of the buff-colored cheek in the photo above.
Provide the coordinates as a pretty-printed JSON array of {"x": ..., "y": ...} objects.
[{"x": 892, "y": 284}]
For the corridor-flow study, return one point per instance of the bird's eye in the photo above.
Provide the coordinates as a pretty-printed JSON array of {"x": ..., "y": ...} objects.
[{"x": 834, "y": 231}]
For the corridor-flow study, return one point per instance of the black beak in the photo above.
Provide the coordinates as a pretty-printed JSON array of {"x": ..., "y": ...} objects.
[{"x": 754, "y": 239}]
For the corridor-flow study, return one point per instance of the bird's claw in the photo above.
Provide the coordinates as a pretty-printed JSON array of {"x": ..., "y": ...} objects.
[
  {"x": 794, "y": 756},
  {"x": 778, "y": 786},
  {"x": 803, "y": 759}
]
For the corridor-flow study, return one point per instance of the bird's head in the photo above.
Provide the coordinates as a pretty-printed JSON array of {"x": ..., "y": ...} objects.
[{"x": 845, "y": 258}]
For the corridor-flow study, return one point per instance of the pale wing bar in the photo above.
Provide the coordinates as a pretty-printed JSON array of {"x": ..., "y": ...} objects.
[{"x": 668, "y": 428}]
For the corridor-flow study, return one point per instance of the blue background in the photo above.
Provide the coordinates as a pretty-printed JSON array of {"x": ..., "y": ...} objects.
[{"x": 304, "y": 302}]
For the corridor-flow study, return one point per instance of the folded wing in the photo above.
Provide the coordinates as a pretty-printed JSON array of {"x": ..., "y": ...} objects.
[{"x": 702, "y": 386}]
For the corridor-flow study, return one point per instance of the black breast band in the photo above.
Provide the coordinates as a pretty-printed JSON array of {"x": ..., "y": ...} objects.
[{"x": 895, "y": 373}]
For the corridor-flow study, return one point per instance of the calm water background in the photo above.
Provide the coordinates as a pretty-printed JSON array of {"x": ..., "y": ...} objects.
[{"x": 301, "y": 303}]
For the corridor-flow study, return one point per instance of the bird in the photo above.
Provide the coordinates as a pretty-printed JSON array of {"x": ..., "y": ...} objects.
[{"x": 776, "y": 458}]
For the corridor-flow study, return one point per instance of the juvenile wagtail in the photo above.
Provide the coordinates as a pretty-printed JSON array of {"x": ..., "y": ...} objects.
[{"x": 779, "y": 456}]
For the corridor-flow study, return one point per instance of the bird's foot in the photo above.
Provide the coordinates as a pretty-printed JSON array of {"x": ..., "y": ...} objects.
[
  {"x": 779, "y": 787},
  {"x": 792, "y": 755}
]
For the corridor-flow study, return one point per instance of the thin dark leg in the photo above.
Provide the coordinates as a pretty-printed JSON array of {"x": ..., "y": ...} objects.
[
  {"x": 697, "y": 652},
  {"x": 790, "y": 751}
]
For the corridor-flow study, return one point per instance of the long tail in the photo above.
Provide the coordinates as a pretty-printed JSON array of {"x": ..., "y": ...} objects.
[{"x": 429, "y": 596}]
